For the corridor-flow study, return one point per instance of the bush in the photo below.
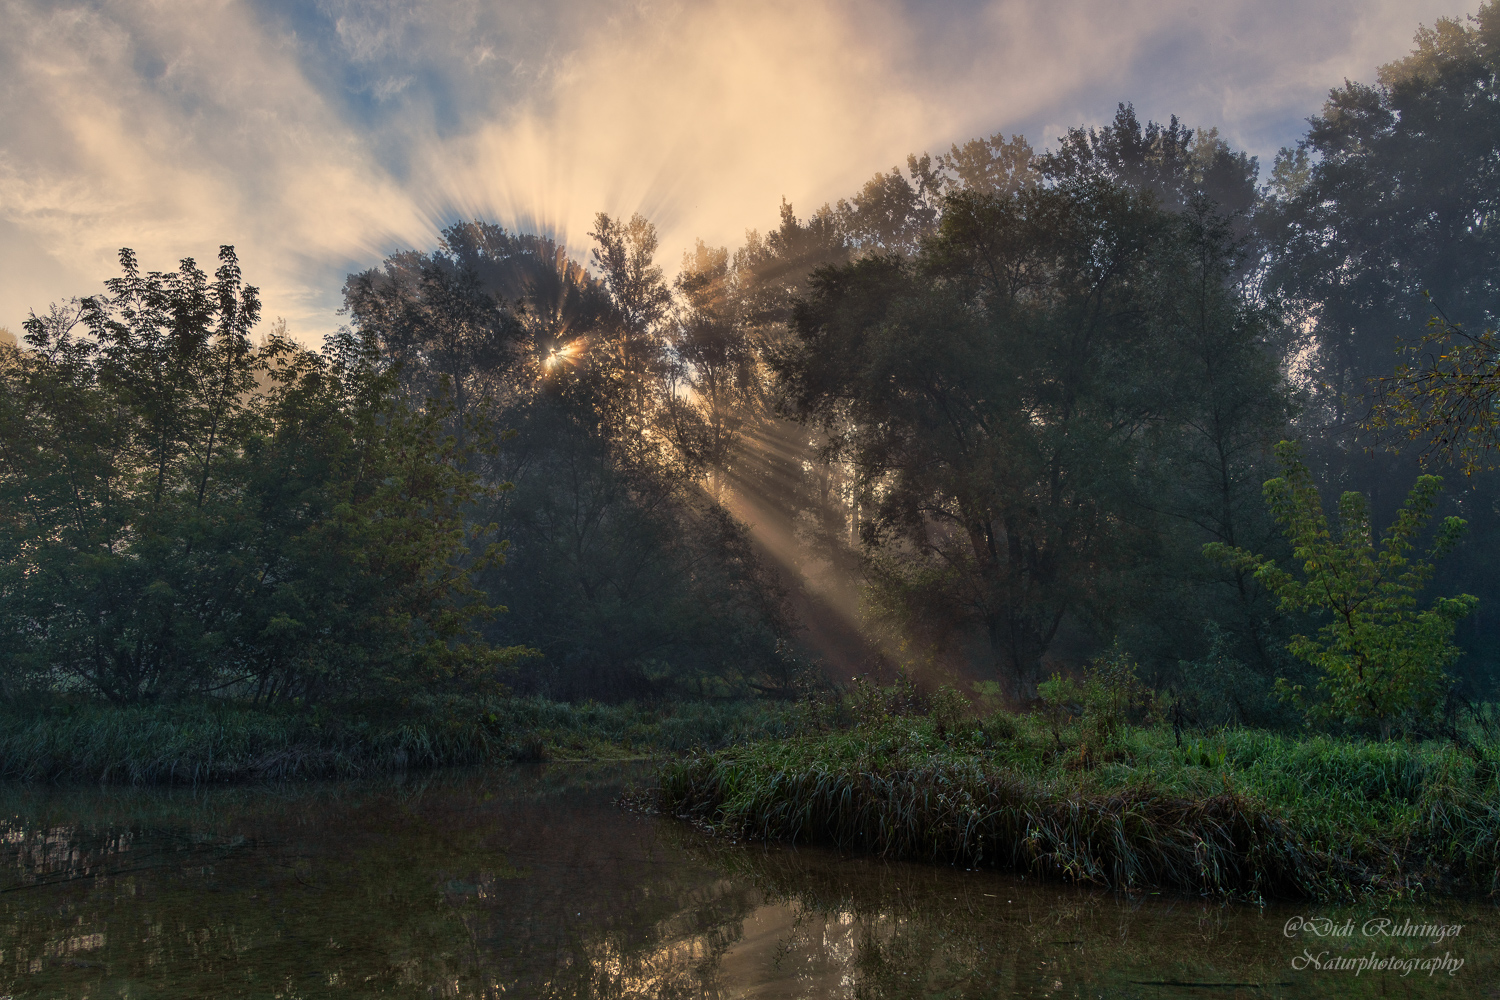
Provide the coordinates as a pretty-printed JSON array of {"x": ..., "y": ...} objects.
[
  {"x": 1110, "y": 695},
  {"x": 1220, "y": 690}
]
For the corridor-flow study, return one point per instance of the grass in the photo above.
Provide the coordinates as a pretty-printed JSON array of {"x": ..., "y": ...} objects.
[
  {"x": 215, "y": 741},
  {"x": 1239, "y": 813}
]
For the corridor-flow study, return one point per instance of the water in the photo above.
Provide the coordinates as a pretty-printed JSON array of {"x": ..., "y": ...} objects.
[{"x": 528, "y": 882}]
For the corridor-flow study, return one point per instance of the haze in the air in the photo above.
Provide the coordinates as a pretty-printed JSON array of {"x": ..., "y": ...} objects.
[{"x": 319, "y": 136}]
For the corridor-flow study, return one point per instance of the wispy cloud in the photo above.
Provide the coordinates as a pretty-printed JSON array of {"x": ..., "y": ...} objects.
[
  {"x": 318, "y": 136},
  {"x": 174, "y": 130}
]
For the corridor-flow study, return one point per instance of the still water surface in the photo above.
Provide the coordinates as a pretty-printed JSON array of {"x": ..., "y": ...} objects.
[{"x": 528, "y": 882}]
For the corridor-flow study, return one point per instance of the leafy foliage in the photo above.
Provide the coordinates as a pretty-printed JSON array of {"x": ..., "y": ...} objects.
[
  {"x": 1109, "y": 696},
  {"x": 1447, "y": 396},
  {"x": 1005, "y": 399},
  {"x": 1386, "y": 208},
  {"x": 624, "y": 571},
  {"x": 1395, "y": 196},
  {"x": 1381, "y": 660},
  {"x": 185, "y": 512},
  {"x": 1176, "y": 165},
  {"x": 982, "y": 414}
]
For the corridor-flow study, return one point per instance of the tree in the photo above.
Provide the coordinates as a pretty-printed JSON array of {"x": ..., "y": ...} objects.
[
  {"x": 989, "y": 397},
  {"x": 1381, "y": 659},
  {"x": 1392, "y": 198},
  {"x": 629, "y": 358},
  {"x": 1393, "y": 194},
  {"x": 625, "y": 256},
  {"x": 631, "y": 583},
  {"x": 1225, "y": 402},
  {"x": 716, "y": 381},
  {"x": 449, "y": 337},
  {"x": 111, "y": 442},
  {"x": 1176, "y": 165},
  {"x": 773, "y": 270},
  {"x": 993, "y": 165},
  {"x": 1448, "y": 399},
  {"x": 628, "y": 578},
  {"x": 186, "y": 513},
  {"x": 890, "y": 214},
  {"x": 374, "y": 592}
]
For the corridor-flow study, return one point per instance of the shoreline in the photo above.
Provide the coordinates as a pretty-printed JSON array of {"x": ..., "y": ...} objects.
[{"x": 1243, "y": 814}]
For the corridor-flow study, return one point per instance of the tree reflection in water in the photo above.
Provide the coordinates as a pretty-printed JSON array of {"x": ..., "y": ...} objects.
[{"x": 528, "y": 882}]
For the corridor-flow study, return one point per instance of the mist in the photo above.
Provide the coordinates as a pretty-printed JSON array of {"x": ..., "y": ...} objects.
[{"x": 319, "y": 137}]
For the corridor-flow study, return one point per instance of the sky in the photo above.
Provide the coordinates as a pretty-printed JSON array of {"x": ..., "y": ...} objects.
[{"x": 317, "y": 136}]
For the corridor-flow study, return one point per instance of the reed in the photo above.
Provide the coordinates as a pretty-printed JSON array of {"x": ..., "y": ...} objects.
[{"x": 1237, "y": 813}]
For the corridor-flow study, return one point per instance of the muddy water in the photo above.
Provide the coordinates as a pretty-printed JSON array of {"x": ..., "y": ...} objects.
[{"x": 527, "y": 882}]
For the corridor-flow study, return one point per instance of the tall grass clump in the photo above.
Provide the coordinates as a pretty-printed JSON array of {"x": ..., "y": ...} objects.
[{"x": 1238, "y": 813}]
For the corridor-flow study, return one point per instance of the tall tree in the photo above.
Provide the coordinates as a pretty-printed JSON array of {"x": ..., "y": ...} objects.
[
  {"x": 186, "y": 512},
  {"x": 1175, "y": 164},
  {"x": 1393, "y": 194},
  {"x": 1225, "y": 402},
  {"x": 621, "y": 571},
  {"x": 1392, "y": 197},
  {"x": 716, "y": 380},
  {"x": 988, "y": 397}
]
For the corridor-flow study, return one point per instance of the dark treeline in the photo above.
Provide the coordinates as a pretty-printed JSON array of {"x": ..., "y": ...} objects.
[
  {"x": 980, "y": 418},
  {"x": 187, "y": 512},
  {"x": 649, "y": 425}
]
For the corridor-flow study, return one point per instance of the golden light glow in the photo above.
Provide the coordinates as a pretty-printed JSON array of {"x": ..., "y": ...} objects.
[{"x": 561, "y": 353}]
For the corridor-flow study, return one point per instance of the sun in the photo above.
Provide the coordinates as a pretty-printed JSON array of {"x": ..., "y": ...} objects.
[{"x": 561, "y": 353}]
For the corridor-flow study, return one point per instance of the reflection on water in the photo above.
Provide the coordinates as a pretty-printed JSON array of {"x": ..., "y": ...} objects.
[{"x": 527, "y": 882}]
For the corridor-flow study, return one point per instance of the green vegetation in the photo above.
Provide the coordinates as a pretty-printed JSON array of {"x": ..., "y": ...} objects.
[
  {"x": 182, "y": 512},
  {"x": 1234, "y": 812},
  {"x": 205, "y": 741},
  {"x": 623, "y": 570},
  {"x": 1024, "y": 402},
  {"x": 1444, "y": 395},
  {"x": 1381, "y": 660},
  {"x": 985, "y": 418}
]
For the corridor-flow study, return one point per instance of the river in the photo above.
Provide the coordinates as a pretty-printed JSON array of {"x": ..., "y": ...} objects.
[{"x": 529, "y": 882}]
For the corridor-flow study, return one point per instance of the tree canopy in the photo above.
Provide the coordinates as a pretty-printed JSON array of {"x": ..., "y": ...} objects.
[{"x": 186, "y": 511}]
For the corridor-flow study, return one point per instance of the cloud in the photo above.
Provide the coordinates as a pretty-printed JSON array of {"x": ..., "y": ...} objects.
[
  {"x": 319, "y": 136},
  {"x": 700, "y": 117},
  {"x": 171, "y": 131}
]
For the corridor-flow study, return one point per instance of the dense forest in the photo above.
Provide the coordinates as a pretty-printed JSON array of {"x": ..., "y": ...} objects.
[{"x": 995, "y": 414}]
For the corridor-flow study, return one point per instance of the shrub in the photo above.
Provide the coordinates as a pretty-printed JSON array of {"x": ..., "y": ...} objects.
[{"x": 1110, "y": 695}]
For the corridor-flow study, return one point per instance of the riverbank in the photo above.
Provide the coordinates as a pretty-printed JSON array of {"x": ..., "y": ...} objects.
[
  {"x": 216, "y": 741},
  {"x": 1238, "y": 813}
]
